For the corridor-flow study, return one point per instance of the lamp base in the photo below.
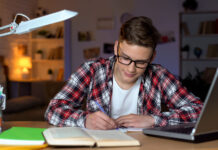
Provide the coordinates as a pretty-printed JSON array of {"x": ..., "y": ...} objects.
[{"x": 25, "y": 76}]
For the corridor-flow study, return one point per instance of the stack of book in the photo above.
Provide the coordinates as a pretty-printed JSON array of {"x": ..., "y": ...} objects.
[
  {"x": 212, "y": 51},
  {"x": 208, "y": 27},
  {"x": 56, "y": 53}
]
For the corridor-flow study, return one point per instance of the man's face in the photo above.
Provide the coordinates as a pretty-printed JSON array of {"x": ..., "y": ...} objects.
[{"x": 128, "y": 74}]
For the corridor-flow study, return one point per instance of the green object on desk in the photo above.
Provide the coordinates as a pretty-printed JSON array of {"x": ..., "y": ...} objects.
[{"x": 22, "y": 136}]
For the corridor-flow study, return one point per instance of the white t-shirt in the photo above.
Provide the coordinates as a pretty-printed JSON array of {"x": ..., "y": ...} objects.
[{"x": 124, "y": 102}]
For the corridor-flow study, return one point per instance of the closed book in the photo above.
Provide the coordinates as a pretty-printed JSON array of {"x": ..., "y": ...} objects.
[
  {"x": 185, "y": 28},
  {"x": 216, "y": 26},
  {"x": 212, "y": 51},
  {"x": 211, "y": 27},
  {"x": 22, "y": 136}
]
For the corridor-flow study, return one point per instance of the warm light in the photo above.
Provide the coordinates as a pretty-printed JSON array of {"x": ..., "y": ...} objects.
[
  {"x": 25, "y": 70},
  {"x": 25, "y": 62}
]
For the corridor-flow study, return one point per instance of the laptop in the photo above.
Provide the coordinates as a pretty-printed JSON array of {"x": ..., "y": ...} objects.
[{"x": 206, "y": 127}]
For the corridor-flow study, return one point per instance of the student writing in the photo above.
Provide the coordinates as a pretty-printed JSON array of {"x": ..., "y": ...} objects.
[{"x": 128, "y": 86}]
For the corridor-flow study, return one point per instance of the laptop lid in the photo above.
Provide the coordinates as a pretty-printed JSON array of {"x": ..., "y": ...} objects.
[
  {"x": 208, "y": 120},
  {"x": 206, "y": 128}
]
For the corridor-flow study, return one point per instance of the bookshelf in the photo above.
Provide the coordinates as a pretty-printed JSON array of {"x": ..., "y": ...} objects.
[
  {"x": 50, "y": 42},
  {"x": 198, "y": 42},
  {"x": 46, "y": 48}
]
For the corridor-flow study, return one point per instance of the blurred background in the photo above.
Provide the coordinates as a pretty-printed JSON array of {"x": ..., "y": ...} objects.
[{"x": 34, "y": 66}]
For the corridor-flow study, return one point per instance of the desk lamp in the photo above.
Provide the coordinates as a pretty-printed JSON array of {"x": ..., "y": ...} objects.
[
  {"x": 19, "y": 26},
  {"x": 30, "y": 25}
]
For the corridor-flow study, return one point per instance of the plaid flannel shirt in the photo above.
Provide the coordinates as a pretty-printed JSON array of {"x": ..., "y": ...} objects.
[{"x": 93, "y": 81}]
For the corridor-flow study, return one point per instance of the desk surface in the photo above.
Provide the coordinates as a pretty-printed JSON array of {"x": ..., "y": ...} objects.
[{"x": 147, "y": 142}]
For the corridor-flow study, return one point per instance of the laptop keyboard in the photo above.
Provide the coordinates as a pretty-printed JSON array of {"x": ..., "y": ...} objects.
[{"x": 187, "y": 129}]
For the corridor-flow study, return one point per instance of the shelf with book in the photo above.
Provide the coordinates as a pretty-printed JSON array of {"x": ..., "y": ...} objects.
[
  {"x": 201, "y": 35},
  {"x": 47, "y": 52},
  {"x": 198, "y": 42},
  {"x": 51, "y": 40},
  {"x": 201, "y": 59},
  {"x": 47, "y": 61}
]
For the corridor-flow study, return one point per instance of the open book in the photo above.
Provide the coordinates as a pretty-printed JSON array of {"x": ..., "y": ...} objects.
[{"x": 75, "y": 136}]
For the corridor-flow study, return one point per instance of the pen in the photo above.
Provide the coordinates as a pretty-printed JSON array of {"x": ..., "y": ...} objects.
[
  {"x": 99, "y": 106},
  {"x": 2, "y": 98},
  {"x": 1, "y": 90}
]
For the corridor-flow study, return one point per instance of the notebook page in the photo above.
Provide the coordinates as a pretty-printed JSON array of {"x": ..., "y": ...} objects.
[
  {"x": 105, "y": 138},
  {"x": 68, "y": 136},
  {"x": 68, "y": 132},
  {"x": 108, "y": 135}
]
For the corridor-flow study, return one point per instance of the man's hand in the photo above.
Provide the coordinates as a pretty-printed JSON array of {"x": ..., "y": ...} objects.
[
  {"x": 99, "y": 120},
  {"x": 135, "y": 121}
]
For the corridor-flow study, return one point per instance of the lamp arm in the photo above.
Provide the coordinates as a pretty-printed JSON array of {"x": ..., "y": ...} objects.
[
  {"x": 12, "y": 27},
  {"x": 20, "y": 14},
  {"x": 30, "y": 25},
  {"x": 5, "y": 34},
  {"x": 4, "y": 27}
]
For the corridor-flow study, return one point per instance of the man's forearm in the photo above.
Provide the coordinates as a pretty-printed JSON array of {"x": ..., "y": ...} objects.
[{"x": 64, "y": 115}]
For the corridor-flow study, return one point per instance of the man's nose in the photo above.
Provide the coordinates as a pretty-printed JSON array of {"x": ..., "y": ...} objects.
[{"x": 131, "y": 67}]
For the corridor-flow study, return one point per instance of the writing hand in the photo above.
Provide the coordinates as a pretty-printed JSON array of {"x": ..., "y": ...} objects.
[
  {"x": 99, "y": 120},
  {"x": 135, "y": 121}
]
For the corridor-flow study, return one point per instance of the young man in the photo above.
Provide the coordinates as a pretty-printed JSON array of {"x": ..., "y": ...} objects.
[{"x": 126, "y": 89}]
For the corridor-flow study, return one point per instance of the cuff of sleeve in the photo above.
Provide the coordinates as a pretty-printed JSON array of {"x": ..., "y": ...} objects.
[
  {"x": 156, "y": 120},
  {"x": 81, "y": 122},
  {"x": 159, "y": 121}
]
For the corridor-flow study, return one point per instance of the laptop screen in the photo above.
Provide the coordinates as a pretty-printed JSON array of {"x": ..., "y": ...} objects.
[{"x": 208, "y": 120}]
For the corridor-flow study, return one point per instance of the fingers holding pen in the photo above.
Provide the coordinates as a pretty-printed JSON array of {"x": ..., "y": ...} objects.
[
  {"x": 99, "y": 120},
  {"x": 109, "y": 122}
]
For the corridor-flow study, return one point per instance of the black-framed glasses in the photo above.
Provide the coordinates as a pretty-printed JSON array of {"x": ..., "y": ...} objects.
[{"x": 142, "y": 64}]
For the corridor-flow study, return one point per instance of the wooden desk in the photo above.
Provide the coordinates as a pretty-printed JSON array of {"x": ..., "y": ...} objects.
[{"x": 147, "y": 142}]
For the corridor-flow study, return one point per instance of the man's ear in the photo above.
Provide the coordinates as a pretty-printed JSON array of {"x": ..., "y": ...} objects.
[
  {"x": 154, "y": 55},
  {"x": 115, "y": 47}
]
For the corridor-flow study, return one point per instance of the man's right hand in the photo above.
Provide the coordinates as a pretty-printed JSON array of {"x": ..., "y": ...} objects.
[{"x": 99, "y": 121}]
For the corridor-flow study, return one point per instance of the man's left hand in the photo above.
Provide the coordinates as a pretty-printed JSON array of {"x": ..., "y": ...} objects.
[{"x": 135, "y": 121}]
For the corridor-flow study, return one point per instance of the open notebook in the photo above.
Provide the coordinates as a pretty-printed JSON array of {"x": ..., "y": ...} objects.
[
  {"x": 75, "y": 136},
  {"x": 206, "y": 128}
]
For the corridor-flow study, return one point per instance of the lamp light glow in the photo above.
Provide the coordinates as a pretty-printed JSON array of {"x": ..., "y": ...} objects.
[{"x": 25, "y": 65}]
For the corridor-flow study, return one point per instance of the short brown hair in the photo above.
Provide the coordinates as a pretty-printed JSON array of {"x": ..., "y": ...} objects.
[{"x": 139, "y": 31}]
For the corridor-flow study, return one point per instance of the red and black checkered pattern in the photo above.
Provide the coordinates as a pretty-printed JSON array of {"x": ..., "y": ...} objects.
[{"x": 93, "y": 81}]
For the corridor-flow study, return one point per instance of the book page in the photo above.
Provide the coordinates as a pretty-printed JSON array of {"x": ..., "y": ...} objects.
[
  {"x": 68, "y": 132},
  {"x": 107, "y": 135},
  {"x": 68, "y": 136},
  {"x": 112, "y": 138}
]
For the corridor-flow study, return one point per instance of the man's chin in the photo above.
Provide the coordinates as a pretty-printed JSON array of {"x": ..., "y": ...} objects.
[
  {"x": 130, "y": 80},
  {"x": 129, "y": 76}
]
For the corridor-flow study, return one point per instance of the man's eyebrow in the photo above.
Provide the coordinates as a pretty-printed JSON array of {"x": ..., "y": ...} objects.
[{"x": 125, "y": 54}]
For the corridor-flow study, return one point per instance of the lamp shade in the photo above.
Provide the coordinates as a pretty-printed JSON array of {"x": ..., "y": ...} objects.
[{"x": 25, "y": 62}]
